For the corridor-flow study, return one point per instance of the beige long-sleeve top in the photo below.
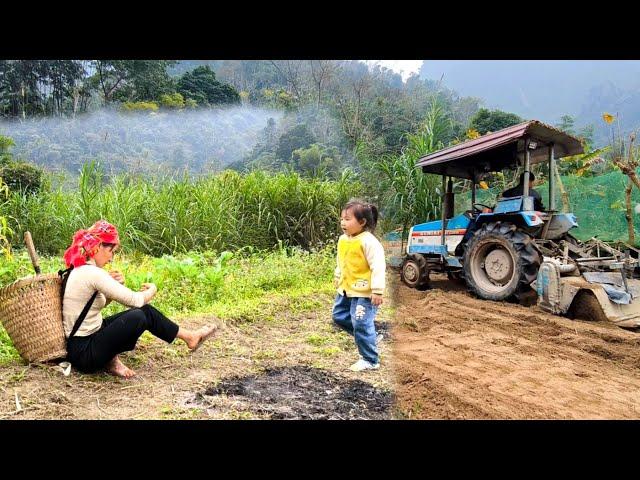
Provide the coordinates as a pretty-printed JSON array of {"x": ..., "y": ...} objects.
[{"x": 82, "y": 283}]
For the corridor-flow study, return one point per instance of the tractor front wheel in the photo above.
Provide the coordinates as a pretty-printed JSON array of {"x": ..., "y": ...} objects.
[{"x": 415, "y": 272}]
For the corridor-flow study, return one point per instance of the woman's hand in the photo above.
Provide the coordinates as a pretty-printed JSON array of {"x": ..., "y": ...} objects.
[
  {"x": 376, "y": 299},
  {"x": 149, "y": 286},
  {"x": 117, "y": 276}
]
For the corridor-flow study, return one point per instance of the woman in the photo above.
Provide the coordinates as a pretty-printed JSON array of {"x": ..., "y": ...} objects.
[{"x": 93, "y": 342}]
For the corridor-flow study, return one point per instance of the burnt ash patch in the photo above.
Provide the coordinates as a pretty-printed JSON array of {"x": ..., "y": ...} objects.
[{"x": 306, "y": 393}]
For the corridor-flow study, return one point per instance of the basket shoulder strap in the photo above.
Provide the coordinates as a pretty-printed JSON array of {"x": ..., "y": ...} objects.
[
  {"x": 64, "y": 275},
  {"x": 83, "y": 314}
]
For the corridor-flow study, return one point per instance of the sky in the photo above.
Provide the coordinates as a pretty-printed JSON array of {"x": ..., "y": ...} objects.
[{"x": 404, "y": 67}]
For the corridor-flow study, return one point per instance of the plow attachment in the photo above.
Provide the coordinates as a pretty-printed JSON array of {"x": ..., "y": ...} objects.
[{"x": 590, "y": 296}]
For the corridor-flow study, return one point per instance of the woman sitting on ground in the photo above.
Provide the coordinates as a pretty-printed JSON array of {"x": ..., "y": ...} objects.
[{"x": 96, "y": 343}]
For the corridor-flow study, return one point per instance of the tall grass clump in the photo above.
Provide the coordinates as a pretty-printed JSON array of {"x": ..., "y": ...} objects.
[
  {"x": 5, "y": 247},
  {"x": 162, "y": 216}
]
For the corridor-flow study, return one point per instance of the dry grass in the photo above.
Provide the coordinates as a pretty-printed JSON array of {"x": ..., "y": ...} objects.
[{"x": 169, "y": 377}]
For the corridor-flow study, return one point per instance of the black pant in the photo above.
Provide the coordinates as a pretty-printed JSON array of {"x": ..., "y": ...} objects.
[{"x": 119, "y": 333}]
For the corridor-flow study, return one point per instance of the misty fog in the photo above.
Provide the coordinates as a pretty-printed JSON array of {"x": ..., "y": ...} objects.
[{"x": 198, "y": 141}]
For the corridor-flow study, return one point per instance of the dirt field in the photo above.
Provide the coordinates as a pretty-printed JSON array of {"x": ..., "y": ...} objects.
[
  {"x": 292, "y": 365},
  {"x": 447, "y": 355},
  {"x": 459, "y": 357}
]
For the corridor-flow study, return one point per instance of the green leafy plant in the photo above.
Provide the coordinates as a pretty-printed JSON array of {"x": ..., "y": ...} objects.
[{"x": 5, "y": 246}]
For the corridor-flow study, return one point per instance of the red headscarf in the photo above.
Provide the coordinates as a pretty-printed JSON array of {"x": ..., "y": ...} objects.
[{"x": 86, "y": 242}]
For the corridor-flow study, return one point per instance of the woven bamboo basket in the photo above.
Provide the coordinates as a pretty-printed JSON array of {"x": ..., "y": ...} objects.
[{"x": 31, "y": 313}]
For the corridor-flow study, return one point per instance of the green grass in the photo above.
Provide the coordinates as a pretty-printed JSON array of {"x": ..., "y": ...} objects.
[
  {"x": 227, "y": 211},
  {"x": 239, "y": 288},
  {"x": 317, "y": 340},
  {"x": 330, "y": 351}
]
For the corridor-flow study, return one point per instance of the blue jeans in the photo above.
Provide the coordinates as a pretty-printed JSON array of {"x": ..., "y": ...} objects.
[{"x": 356, "y": 315}]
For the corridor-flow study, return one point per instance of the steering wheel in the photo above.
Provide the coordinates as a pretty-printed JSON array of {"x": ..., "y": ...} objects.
[{"x": 481, "y": 205}]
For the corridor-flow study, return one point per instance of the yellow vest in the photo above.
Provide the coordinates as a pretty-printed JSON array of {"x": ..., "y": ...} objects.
[{"x": 355, "y": 274}]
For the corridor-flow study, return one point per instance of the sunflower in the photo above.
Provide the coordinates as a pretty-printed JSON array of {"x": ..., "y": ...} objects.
[{"x": 607, "y": 117}]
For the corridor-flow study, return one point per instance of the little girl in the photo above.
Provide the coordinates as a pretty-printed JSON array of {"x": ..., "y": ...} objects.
[{"x": 360, "y": 280}]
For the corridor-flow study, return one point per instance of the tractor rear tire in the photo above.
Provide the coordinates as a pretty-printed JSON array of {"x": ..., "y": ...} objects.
[
  {"x": 415, "y": 272},
  {"x": 500, "y": 262}
]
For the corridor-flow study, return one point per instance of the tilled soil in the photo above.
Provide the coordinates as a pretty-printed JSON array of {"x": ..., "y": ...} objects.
[
  {"x": 457, "y": 356},
  {"x": 301, "y": 392}
]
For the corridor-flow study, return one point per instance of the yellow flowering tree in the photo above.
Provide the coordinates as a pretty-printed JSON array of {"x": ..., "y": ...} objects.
[
  {"x": 173, "y": 100},
  {"x": 140, "y": 106}
]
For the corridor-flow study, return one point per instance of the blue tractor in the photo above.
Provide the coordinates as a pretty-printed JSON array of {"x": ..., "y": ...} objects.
[{"x": 496, "y": 250}]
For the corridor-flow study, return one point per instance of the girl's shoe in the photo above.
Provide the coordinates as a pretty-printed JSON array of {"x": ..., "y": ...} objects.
[{"x": 362, "y": 364}]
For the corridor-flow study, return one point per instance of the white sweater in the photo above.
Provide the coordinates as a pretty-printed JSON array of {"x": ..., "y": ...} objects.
[{"x": 82, "y": 283}]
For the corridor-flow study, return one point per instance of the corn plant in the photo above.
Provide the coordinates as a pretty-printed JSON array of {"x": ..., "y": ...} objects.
[{"x": 410, "y": 195}]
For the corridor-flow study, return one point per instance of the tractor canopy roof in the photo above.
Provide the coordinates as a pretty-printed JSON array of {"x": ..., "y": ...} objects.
[{"x": 502, "y": 149}]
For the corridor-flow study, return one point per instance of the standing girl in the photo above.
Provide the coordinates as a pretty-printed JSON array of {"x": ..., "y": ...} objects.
[{"x": 360, "y": 280}]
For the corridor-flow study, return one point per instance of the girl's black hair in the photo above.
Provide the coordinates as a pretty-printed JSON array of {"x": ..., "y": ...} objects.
[{"x": 364, "y": 211}]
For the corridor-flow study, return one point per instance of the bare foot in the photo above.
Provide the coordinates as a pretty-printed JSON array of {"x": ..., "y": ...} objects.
[
  {"x": 119, "y": 369},
  {"x": 200, "y": 336}
]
